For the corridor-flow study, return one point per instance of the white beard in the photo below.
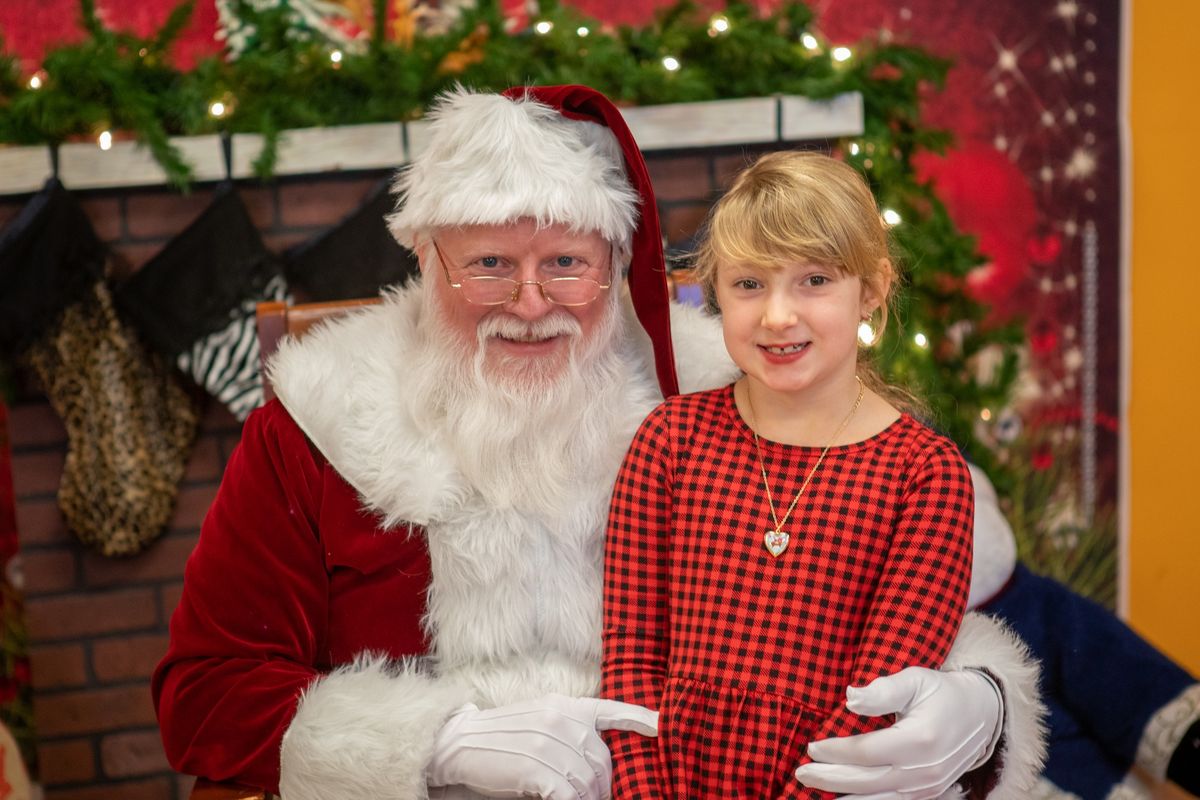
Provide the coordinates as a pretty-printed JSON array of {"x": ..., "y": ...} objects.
[{"x": 533, "y": 434}]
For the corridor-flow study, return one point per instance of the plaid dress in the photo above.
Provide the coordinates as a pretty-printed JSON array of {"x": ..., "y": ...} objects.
[{"x": 748, "y": 656}]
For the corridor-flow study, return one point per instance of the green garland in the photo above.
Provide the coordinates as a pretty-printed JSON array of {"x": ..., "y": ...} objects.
[{"x": 283, "y": 81}]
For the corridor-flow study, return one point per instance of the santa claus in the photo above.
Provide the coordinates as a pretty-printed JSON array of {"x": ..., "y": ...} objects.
[{"x": 396, "y": 593}]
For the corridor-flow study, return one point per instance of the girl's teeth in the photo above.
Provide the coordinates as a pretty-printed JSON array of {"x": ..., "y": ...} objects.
[{"x": 791, "y": 348}]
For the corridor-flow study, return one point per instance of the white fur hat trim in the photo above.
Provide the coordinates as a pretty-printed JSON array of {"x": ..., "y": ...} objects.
[{"x": 492, "y": 161}]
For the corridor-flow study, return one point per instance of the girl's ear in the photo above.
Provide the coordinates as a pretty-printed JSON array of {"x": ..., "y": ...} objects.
[{"x": 875, "y": 289}]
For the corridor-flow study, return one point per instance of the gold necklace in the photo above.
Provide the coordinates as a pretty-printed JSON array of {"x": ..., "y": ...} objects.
[{"x": 776, "y": 541}]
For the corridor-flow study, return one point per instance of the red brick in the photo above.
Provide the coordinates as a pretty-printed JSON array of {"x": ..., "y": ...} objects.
[
  {"x": 205, "y": 462},
  {"x": 279, "y": 242},
  {"x": 48, "y": 571},
  {"x": 190, "y": 507},
  {"x": 260, "y": 203},
  {"x": 726, "y": 167},
  {"x": 126, "y": 658},
  {"x": 93, "y": 711},
  {"x": 169, "y": 599},
  {"x": 70, "y": 761},
  {"x": 217, "y": 418},
  {"x": 37, "y": 473},
  {"x": 134, "y": 256},
  {"x": 82, "y": 615},
  {"x": 163, "y": 559},
  {"x": 682, "y": 221},
  {"x": 151, "y": 789},
  {"x": 321, "y": 203},
  {"x": 57, "y": 666},
  {"x": 127, "y": 755},
  {"x": 183, "y": 786},
  {"x": 8, "y": 211},
  {"x": 105, "y": 216},
  {"x": 40, "y": 522},
  {"x": 32, "y": 424},
  {"x": 162, "y": 214},
  {"x": 680, "y": 178}
]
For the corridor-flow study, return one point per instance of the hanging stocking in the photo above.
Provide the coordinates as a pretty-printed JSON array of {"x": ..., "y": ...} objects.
[
  {"x": 195, "y": 301},
  {"x": 129, "y": 423},
  {"x": 355, "y": 258}
]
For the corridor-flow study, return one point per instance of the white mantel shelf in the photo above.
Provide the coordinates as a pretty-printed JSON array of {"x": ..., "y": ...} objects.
[{"x": 676, "y": 126}]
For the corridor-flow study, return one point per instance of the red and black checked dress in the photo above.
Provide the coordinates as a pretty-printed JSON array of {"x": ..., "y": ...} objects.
[{"x": 748, "y": 656}]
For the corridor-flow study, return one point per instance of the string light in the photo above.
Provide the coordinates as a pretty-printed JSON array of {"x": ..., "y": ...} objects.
[
  {"x": 543, "y": 27},
  {"x": 35, "y": 81},
  {"x": 854, "y": 148},
  {"x": 985, "y": 414},
  {"x": 921, "y": 340},
  {"x": 810, "y": 41},
  {"x": 104, "y": 140},
  {"x": 842, "y": 54},
  {"x": 582, "y": 30},
  {"x": 670, "y": 63},
  {"x": 718, "y": 25},
  {"x": 217, "y": 109},
  {"x": 866, "y": 334},
  {"x": 891, "y": 217},
  {"x": 335, "y": 58}
]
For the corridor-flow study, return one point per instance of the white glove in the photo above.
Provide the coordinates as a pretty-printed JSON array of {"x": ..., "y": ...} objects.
[
  {"x": 549, "y": 747},
  {"x": 947, "y": 725}
]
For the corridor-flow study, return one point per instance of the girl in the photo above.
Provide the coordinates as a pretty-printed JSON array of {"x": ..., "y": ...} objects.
[{"x": 778, "y": 540}]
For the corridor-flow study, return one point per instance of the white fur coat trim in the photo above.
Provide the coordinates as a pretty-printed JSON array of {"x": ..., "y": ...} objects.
[
  {"x": 986, "y": 643},
  {"x": 1165, "y": 730},
  {"x": 365, "y": 732}
]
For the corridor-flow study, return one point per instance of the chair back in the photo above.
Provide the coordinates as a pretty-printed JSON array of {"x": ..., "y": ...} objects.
[{"x": 276, "y": 319}]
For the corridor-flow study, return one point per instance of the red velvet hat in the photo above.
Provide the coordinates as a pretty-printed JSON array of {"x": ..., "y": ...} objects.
[{"x": 557, "y": 154}]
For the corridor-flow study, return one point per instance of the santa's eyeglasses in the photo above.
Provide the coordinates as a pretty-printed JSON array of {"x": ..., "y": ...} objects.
[{"x": 493, "y": 290}]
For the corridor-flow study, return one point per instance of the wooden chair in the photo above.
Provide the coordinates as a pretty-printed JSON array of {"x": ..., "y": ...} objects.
[{"x": 275, "y": 320}]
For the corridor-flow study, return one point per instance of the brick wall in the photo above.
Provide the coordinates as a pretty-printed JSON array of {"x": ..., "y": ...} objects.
[{"x": 97, "y": 625}]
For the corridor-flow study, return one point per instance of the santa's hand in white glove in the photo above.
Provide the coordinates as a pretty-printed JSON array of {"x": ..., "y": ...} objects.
[
  {"x": 549, "y": 747},
  {"x": 947, "y": 724}
]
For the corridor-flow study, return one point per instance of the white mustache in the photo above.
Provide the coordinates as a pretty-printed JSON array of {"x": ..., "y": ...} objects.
[{"x": 516, "y": 329}]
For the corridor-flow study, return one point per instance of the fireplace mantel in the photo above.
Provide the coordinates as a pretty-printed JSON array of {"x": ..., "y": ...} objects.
[{"x": 676, "y": 126}]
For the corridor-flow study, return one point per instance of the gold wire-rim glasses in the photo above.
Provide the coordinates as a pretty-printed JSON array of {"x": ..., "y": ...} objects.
[{"x": 482, "y": 280}]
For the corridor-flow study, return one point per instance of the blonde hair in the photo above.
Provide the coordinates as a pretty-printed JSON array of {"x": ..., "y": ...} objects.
[{"x": 797, "y": 205}]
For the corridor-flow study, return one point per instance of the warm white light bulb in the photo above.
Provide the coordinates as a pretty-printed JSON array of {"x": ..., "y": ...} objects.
[
  {"x": 670, "y": 63},
  {"x": 104, "y": 140},
  {"x": 35, "y": 82},
  {"x": 544, "y": 27},
  {"x": 336, "y": 56},
  {"x": 810, "y": 41},
  {"x": 921, "y": 340},
  {"x": 841, "y": 53},
  {"x": 866, "y": 334},
  {"x": 985, "y": 414},
  {"x": 582, "y": 30},
  {"x": 854, "y": 148},
  {"x": 891, "y": 217},
  {"x": 217, "y": 109},
  {"x": 719, "y": 24}
]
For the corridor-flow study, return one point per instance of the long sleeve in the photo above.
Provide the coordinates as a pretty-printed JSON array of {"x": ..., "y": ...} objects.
[
  {"x": 922, "y": 593},
  {"x": 250, "y": 670},
  {"x": 636, "y": 608}
]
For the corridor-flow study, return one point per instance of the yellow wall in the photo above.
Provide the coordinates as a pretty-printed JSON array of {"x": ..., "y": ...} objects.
[{"x": 1164, "y": 510}]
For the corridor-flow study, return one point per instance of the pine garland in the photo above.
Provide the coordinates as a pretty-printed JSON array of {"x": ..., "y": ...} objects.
[{"x": 281, "y": 81}]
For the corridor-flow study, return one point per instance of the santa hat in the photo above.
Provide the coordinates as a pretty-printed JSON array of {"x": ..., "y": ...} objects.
[{"x": 555, "y": 154}]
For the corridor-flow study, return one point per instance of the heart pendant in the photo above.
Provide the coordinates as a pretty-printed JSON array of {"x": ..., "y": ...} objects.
[{"x": 776, "y": 542}]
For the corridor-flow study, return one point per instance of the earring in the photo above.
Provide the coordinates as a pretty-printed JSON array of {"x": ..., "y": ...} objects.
[{"x": 866, "y": 333}]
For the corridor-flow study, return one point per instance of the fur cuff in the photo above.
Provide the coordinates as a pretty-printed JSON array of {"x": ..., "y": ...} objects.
[
  {"x": 1164, "y": 731},
  {"x": 986, "y": 644},
  {"x": 365, "y": 732}
]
